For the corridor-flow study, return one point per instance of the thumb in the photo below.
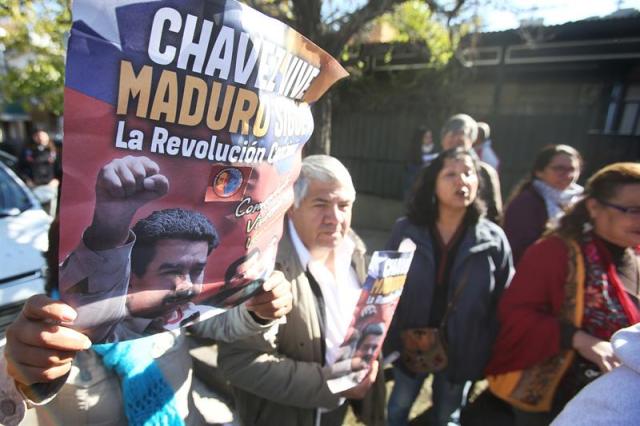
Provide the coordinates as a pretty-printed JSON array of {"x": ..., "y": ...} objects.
[
  {"x": 275, "y": 279},
  {"x": 373, "y": 373},
  {"x": 43, "y": 308},
  {"x": 158, "y": 184}
]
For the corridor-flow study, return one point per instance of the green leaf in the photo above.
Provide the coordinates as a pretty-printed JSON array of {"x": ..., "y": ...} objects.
[{"x": 33, "y": 41}]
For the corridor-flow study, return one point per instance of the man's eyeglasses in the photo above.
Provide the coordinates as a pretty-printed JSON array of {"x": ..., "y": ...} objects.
[{"x": 626, "y": 210}]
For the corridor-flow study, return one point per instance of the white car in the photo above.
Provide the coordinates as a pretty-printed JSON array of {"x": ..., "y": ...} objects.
[{"x": 24, "y": 228}]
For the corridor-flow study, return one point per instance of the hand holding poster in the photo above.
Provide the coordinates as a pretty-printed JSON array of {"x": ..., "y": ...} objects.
[
  {"x": 184, "y": 125},
  {"x": 380, "y": 295}
]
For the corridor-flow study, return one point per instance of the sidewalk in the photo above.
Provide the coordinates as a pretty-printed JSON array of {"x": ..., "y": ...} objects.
[{"x": 212, "y": 393}]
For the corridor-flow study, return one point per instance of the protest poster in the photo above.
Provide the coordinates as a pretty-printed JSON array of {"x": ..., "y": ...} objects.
[
  {"x": 184, "y": 126},
  {"x": 372, "y": 316}
]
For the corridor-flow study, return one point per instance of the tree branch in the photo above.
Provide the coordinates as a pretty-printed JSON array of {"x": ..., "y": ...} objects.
[
  {"x": 350, "y": 24},
  {"x": 353, "y": 22},
  {"x": 451, "y": 13},
  {"x": 308, "y": 17}
]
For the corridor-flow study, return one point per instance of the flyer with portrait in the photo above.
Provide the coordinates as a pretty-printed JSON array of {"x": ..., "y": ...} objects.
[
  {"x": 372, "y": 316},
  {"x": 184, "y": 127}
]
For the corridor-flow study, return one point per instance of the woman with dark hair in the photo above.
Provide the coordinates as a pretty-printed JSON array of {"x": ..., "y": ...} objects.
[
  {"x": 543, "y": 197},
  {"x": 447, "y": 308},
  {"x": 573, "y": 289}
]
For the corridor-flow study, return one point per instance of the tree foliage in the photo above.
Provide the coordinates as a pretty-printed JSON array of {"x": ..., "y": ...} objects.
[
  {"x": 33, "y": 36},
  {"x": 332, "y": 24},
  {"x": 415, "y": 22}
]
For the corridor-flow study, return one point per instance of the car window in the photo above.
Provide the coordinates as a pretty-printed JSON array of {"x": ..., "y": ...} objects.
[{"x": 13, "y": 198}]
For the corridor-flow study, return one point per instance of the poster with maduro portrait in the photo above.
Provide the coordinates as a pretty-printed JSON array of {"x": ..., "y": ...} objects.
[
  {"x": 184, "y": 126},
  {"x": 372, "y": 316}
]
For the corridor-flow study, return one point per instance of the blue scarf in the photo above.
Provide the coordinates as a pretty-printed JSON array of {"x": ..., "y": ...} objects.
[{"x": 148, "y": 398}]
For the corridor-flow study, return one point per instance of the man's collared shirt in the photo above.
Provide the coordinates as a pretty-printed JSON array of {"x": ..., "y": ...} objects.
[{"x": 340, "y": 292}]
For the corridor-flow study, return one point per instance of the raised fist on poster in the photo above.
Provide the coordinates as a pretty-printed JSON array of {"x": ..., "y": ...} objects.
[{"x": 123, "y": 186}]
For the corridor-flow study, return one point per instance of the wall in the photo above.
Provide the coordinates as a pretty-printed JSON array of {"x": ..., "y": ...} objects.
[{"x": 526, "y": 113}]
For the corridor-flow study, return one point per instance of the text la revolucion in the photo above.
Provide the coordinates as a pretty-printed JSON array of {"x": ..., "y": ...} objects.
[{"x": 164, "y": 143}]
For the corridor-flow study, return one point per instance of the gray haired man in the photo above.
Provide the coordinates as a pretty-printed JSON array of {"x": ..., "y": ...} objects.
[{"x": 282, "y": 378}]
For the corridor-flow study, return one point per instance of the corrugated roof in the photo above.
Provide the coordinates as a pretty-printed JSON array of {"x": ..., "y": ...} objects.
[{"x": 624, "y": 23}]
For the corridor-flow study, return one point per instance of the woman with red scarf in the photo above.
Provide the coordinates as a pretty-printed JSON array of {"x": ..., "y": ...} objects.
[{"x": 572, "y": 290}]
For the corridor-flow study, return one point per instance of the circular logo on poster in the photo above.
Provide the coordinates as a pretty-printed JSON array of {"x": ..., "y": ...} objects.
[{"x": 227, "y": 182}]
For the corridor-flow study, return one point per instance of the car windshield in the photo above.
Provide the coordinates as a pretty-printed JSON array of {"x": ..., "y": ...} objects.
[{"x": 13, "y": 198}]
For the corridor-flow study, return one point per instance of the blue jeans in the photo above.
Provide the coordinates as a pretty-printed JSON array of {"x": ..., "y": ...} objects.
[{"x": 447, "y": 399}]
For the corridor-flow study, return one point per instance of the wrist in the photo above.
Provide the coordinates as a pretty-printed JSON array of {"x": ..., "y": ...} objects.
[
  {"x": 108, "y": 232},
  {"x": 582, "y": 340},
  {"x": 577, "y": 340},
  {"x": 96, "y": 240},
  {"x": 41, "y": 393},
  {"x": 257, "y": 318}
]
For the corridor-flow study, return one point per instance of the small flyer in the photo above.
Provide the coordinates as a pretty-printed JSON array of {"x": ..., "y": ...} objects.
[{"x": 381, "y": 292}]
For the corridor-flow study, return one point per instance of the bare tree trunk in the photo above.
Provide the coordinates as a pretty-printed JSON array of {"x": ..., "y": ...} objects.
[{"x": 320, "y": 142}]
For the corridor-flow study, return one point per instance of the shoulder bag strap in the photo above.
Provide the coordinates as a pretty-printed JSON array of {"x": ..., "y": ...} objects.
[{"x": 454, "y": 299}]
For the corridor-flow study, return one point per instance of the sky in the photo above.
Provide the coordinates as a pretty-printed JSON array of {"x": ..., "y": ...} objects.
[
  {"x": 507, "y": 14},
  {"x": 499, "y": 15}
]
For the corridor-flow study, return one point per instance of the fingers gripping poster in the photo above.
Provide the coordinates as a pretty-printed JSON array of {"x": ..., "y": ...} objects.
[{"x": 184, "y": 126}]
